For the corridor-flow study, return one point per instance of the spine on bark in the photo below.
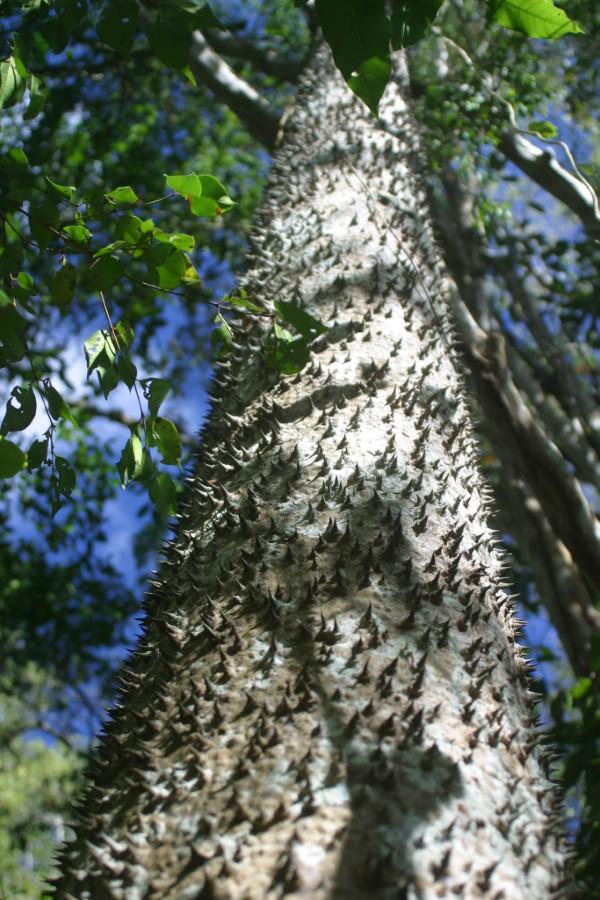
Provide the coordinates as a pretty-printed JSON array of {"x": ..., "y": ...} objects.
[{"x": 328, "y": 701}]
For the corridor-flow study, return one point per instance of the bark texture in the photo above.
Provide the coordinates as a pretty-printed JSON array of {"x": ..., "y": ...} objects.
[{"x": 329, "y": 701}]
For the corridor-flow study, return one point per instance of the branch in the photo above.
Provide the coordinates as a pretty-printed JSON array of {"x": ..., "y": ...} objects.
[
  {"x": 568, "y": 433},
  {"x": 258, "y": 115},
  {"x": 518, "y": 437},
  {"x": 268, "y": 61},
  {"x": 568, "y": 602},
  {"x": 543, "y": 167}
]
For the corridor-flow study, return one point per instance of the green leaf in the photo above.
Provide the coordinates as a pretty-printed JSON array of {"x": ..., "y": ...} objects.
[
  {"x": 163, "y": 493},
  {"x": 595, "y": 652},
  {"x": 167, "y": 265},
  {"x": 79, "y": 234},
  {"x": 93, "y": 347},
  {"x": 103, "y": 274},
  {"x": 63, "y": 284},
  {"x": 206, "y": 194},
  {"x": 155, "y": 391},
  {"x": 165, "y": 436},
  {"x": 65, "y": 190},
  {"x": 356, "y": 30},
  {"x": 215, "y": 189},
  {"x": 535, "y": 18},
  {"x": 12, "y": 459},
  {"x": 171, "y": 45},
  {"x": 307, "y": 325},
  {"x": 12, "y": 335},
  {"x": 72, "y": 12},
  {"x": 37, "y": 454},
  {"x": 57, "y": 406},
  {"x": 108, "y": 378},
  {"x": 544, "y": 129},
  {"x": 19, "y": 417},
  {"x": 122, "y": 195},
  {"x": 411, "y": 20},
  {"x": 186, "y": 185},
  {"x": 214, "y": 201},
  {"x": 285, "y": 353},
  {"x": 581, "y": 687},
  {"x": 133, "y": 229},
  {"x": 242, "y": 301},
  {"x": 15, "y": 160},
  {"x": 125, "y": 334},
  {"x": 185, "y": 242},
  {"x": 126, "y": 369},
  {"x": 22, "y": 287},
  {"x": 131, "y": 463},
  {"x": 37, "y": 97},
  {"x": 13, "y": 79},
  {"x": 55, "y": 33},
  {"x": 11, "y": 259},
  {"x": 117, "y": 25},
  {"x": 370, "y": 80},
  {"x": 44, "y": 217},
  {"x": 66, "y": 475},
  {"x": 197, "y": 12},
  {"x": 221, "y": 337}
]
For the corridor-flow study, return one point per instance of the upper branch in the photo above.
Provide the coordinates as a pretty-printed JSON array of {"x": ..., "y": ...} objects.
[
  {"x": 258, "y": 115},
  {"x": 268, "y": 61},
  {"x": 543, "y": 167}
]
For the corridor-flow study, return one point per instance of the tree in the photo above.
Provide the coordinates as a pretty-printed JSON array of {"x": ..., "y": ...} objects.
[
  {"x": 511, "y": 374},
  {"x": 328, "y": 698}
]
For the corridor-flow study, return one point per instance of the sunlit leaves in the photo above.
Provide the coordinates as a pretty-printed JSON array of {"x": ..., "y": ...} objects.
[
  {"x": 535, "y": 18},
  {"x": 165, "y": 436},
  {"x": 221, "y": 336},
  {"x": 544, "y": 129},
  {"x": 206, "y": 195},
  {"x": 131, "y": 463},
  {"x": 155, "y": 391},
  {"x": 122, "y": 196},
  {"x": 13, "y": 79}
]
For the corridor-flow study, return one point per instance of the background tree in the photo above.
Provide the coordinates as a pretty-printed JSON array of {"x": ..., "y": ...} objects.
[{"x": 468, "y": 102}]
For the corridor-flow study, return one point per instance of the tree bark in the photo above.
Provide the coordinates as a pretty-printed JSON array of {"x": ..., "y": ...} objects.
[{"x": 329, "y": 701}]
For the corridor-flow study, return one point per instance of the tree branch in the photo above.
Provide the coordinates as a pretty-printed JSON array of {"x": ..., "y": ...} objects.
[
  {"x": 518, "y": 435},
  {"x": 258, "y": 115},
  {"x": 268, "y": 61},
  {"x": 543, "y": 167},
  {"x": 568, "y": 602}
]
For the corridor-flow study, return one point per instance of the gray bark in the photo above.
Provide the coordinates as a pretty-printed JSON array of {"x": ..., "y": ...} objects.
[{"x": 329, "y": 701}]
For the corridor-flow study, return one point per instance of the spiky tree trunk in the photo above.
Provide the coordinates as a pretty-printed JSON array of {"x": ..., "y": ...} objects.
[{"x": 329, "y": 701}]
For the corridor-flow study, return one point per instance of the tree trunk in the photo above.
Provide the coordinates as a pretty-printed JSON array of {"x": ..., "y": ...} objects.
[{"x": 329, "y": 701}]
